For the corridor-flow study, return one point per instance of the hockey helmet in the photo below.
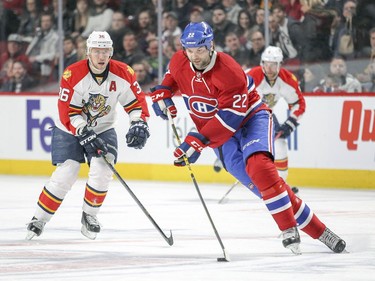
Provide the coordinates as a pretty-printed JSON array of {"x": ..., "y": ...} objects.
[
  {"x": 99, "y": 39},
  {"x": 272, "y": 54},
  {"x": 197, "y": 34}
]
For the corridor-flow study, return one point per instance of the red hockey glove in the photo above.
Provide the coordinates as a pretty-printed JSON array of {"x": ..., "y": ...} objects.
[
  {"x": 162, "y": 101},
  {"x": 190, "y": 148}
]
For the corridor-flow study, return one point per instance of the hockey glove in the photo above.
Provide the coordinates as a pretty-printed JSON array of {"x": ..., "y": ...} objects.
[
  {"x": 190, "y": 148},
  {"x": 162, "y": 101},
  {"x": 287, "y": 128},
  {"x": 137, "y": 135},
  {"x": 93, "y": 145}
]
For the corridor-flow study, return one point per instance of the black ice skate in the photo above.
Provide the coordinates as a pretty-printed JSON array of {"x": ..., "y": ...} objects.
[
  {"x": 332, "y": 241},
  {"x": 90, "y": 226},
  {"x": 291, "y": 240},
  {"x": 35, "y": 228}
]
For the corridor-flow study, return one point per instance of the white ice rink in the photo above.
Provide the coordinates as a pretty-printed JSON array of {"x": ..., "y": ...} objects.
[{"x": 130, "y": 248}]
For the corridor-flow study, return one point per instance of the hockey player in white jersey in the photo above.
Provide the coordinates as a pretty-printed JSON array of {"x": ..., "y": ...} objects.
[
  {"x": 89, "y": 93},
  {"x": 274, "y": 83}
]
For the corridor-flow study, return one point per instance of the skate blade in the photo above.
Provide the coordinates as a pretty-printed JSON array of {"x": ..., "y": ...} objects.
[
  {"x": 295, "y": 249},
  {"x": 30, "y": 235},
  {"x": 89, "y": 234}
]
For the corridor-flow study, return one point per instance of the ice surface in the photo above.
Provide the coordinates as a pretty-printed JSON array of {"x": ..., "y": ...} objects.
[{"x": 130, "y": 248}]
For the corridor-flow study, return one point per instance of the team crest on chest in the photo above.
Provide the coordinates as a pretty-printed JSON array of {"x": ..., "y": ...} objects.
[
  {"x": 269, "y": 99},
  {"x": 95, "y": 108},
  {"x": 202, "y": 107}
]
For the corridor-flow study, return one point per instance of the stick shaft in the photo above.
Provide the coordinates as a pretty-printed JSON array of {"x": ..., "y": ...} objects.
[{"x": 166, "y": 238}]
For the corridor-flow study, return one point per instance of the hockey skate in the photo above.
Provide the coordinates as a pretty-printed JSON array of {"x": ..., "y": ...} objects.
[
  {"x": 291, "y": 240},
  {"x": 35, "y": 228},
  {"x": 332, "y": 241},
  {"x": 90, "y": 226}
]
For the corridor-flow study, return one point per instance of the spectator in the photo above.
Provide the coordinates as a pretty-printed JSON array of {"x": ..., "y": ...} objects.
[
  {"x": 152, "y": 58},
  {"x": 232, "y": 9},
  {"x": 311, "y": 78},
  {"x": 99, "y": 19},
  {"x": 15, "y": 52},
  {"x": 171, "y": 29},
  {"x": 67, "y": 16},
  {"x": 339, "y": 79},
  {"x": 131, "y": 7},
  {"x": 259, "y": 21},
  {"x": 234, "y": 48},
  {"x": 117, "y": 30},
  {"x": 143, "y": 76},
  {"x": 182, "y": 10},
  {"x": 221, "y": 26},
  {"x": 243, "y": 29},
  {"x": 196, "y": 14},
  {"x": 349, "y": 37},
  {"x": 80, "y": 42},
  {"x": 208, "y": 6},
  {"x": 252, "y": 6},
  {"x": 43, "y": 48},
  {"x": 30, "y": 19},
  {"x": 130, "y": 52},
  {"x": 258, "y": 46},
  {"x": 9, "y": 21},
  {"x": 367, "y": 76},
  {"x": 316, "y": 27},
  {"x": 70, "y": 51},
  {"x": 292, "y": 9},
  {"x": 19, "y": 81},
  {"x": 144, "y": 27},
  {"x": 290, "y": 34},
  {"x": 80, "y": 17}
]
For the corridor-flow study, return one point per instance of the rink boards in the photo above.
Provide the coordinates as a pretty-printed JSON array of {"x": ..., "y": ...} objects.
[{"x": 333, "y": 146}]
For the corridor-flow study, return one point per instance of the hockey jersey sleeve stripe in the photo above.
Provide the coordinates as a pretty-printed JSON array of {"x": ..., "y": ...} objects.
[{"x": 132, "y": 105}]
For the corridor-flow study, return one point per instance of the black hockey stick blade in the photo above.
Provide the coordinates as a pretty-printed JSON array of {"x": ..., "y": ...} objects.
[
  {"x": 166, "y": 238},
  {"x": 225, "y": 258}
]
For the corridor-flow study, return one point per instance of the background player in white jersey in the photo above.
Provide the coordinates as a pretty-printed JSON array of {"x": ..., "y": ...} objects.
[
  {"x": 89, "y": 92},
  {"x": 274, "y": 83},
  {"x": 231, "y": 119}
]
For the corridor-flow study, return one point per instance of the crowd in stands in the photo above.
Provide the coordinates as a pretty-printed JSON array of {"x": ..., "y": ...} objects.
[{"x": 328, "y": 44}]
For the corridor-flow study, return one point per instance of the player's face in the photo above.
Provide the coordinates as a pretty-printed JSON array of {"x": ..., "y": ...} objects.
[
  {"x": 199, "y": 57},
  {"x": 99, "y": 58},
  {"x": 270, "y": 69}
]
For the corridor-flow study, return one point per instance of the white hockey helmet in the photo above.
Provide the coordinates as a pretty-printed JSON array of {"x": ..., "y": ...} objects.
[
  {"x": 99, "y": 39},
  {"x": 272, "y": 54}
]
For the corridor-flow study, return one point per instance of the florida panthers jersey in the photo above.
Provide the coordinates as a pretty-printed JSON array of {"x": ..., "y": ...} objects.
[
  {"x": 82, "y": 100},
  {"x": 218, "y": 98},
  {"x": 285, "y": 87}
]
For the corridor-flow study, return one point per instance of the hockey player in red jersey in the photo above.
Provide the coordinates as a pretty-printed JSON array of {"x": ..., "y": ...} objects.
[
  {"x": 89, "y": 93},
  {"x": 231, "y": 119},
  {"x": 274, "y": 83}
]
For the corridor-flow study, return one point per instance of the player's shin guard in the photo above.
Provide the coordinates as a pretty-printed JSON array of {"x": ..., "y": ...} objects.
[{"x": 264, "y": 175}]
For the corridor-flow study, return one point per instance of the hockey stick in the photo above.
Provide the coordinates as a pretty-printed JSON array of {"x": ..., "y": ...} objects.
[
  {"x": 225, "y": 258},
  {"x": 230, "y": 189},
  {"x": 166, "y": 238}
]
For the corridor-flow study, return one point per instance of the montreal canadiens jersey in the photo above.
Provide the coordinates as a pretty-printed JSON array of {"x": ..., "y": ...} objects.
[
  {"x": 83, "y": 101},
  {"x": 285, "y": 87},
  {"x": 219, "y": 99}
]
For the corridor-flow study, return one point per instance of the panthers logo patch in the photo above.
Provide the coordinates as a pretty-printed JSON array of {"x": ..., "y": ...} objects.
[
  {"x": 269, "y": 99},
  {"x": 95, "y": 108}
]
